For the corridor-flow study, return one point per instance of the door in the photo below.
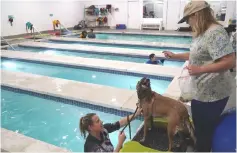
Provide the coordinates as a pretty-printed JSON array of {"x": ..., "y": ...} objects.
[{"x": 134, "y": 15}]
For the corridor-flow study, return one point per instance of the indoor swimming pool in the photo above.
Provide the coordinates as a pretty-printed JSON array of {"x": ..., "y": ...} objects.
[
  {"x": 82, "y": 74},
  {"x": 106, "y": 56},
  {"x": 141, "y": 37},
  {"x": 50, "y": 121}
]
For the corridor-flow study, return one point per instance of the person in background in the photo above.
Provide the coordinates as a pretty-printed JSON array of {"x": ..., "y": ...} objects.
[
  {"x": 29, "y": 26},
  {"x": 210, "y": 58},
  {"x": 153, "y": 60},
  {"x": 98, "y": 139},
  {"x": 56, "y": 23},
  {"x": 91, "y": 34},
  {"x": 83, "y": 34}
]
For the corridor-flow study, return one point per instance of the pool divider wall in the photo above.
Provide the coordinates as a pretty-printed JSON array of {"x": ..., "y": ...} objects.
[
  {"x": 100, "y": 50},
  {"x": 126, "y": 68},
  {"x": 15, "y": 142}
]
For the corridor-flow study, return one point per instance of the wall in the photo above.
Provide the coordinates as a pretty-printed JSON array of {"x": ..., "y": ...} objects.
[
  {"x": 122, "y": 16},
  {"x": 230, "y": 12},
  {"x": 174, "y": 10},
  {"x": 37, "y": 12},
  {"x": 173, "y": 14}
]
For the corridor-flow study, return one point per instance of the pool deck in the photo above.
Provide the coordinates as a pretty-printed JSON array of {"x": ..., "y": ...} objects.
[
  {"x": 121, "y": 42},
  {"x": 15, "y": 142},
  {"x": 141, "y": 68},
  {"x": 86, "y": 48}
]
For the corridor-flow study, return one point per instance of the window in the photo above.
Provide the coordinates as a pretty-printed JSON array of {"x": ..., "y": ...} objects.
[{"x": 152, "y": 8}]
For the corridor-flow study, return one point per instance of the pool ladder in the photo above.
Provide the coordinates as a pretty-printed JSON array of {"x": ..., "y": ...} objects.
[{"x": 8, "y": 43}]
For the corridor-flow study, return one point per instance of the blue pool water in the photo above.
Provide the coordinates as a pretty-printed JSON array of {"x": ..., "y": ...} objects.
[
  {"x": 96, "y": 55},
  {"x": 53, "y": 122},
  {"x": 144, "y": 38},
  {"x": 83, "y": 75},
  {"x": 140, "y": 48}
]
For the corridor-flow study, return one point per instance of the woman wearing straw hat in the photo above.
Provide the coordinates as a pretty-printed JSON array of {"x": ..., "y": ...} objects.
[{"x": 211, "y": 56}]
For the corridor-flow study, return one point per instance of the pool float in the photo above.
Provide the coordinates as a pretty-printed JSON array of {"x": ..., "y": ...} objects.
[
  {"x": 133, "y": 146},
  {"x": 224, "y": 138},
  {"x": 158, "y": 143}
]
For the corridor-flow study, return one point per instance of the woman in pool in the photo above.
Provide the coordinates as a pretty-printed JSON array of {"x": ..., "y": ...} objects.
[
  {"x": 211, "y": 56},
  {"x": 98, "y": 134}
]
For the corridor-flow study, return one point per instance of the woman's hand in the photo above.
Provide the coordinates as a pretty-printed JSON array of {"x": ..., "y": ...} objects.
[
  {"x": 121, "y": 138},
  {"x": 194, "y": 70},
  {"x": 168, "y": 54}
]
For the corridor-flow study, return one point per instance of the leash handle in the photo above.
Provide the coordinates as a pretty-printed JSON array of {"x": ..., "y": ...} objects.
[
  {"x": 129, "y": 127},
  {"x": 130, "y": 120}
]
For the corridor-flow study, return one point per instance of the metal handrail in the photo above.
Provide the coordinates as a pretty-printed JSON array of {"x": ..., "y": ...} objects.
[{"x": 8, "y": 43}]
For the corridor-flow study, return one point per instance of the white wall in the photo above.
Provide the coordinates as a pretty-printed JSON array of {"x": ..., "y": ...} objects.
[
  {"x": 173, "y": 14},
  {"x": 230, "y": 12},
  {"x": 122, "y": 16},
  {"x": 37, "y": 12}
]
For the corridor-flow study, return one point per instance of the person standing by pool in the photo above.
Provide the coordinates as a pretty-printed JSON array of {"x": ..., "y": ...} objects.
[
  {"x": 153, "y": 60},
  {"x": 211, "y": 56},
  {"x": 56, "y": 24},
  {"x": 29, "y": 26},
  {"x": 98, "y": 134}
]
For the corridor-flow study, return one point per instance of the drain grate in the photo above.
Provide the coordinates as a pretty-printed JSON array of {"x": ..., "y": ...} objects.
[{"x": 157, "y": 139}]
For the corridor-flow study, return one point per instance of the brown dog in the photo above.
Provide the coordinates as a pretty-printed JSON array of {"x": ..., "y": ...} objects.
[{"x": 156, "y": 105}]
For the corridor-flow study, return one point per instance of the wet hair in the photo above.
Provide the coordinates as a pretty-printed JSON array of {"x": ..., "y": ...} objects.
[
  {"x": 151, "y": 56},
  {"x": 85, "y": 122}
]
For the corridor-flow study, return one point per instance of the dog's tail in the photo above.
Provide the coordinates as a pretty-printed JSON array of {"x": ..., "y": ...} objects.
[{"x": 190, "y": 128}]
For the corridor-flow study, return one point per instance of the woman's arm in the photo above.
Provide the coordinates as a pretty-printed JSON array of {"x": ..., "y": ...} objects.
[
  {"x": 124, "y": 121},
  {"x": 180, "y": 56},
  {"x": 118, "y": 147},
  {"x": 225, "y": 63}
]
